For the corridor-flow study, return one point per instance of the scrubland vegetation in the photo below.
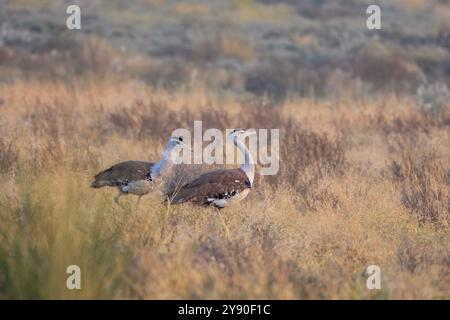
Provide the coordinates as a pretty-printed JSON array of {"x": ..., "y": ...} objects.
[{"x": 364, "y": 121}]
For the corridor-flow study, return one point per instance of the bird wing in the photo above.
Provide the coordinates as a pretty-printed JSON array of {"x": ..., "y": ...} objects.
[
  {"x": 123, "y": 173},
  {"x": 214, "y": 184}
]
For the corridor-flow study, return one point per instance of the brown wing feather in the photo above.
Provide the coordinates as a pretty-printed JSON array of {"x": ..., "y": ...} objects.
[
  {"x": 121, "y": 173},
  {"x": 211, "y": 184}
]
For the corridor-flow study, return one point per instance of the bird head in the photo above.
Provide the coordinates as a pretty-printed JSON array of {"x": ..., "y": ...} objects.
[
  {"x": 240, "y": 133},
  {"x": 176, "y": 141}
]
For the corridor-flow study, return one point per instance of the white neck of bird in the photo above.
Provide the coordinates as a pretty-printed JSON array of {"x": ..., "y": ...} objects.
[
  {"x": 163, "y": 165},
  {"x": 248, "y": 165}
]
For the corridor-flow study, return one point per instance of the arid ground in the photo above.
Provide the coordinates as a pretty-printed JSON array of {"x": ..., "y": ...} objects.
[{"x": 364, "y": 119}]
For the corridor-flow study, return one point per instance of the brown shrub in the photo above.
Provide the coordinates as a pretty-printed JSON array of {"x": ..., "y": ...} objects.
[
  {"x": 173, "y": 74},
  {"x": 53, "y": 133},
  {"x": 411, "y": 124},
  {"x": 306, "y": 159},
  {"x": 416, "y": 255},
  {"x": 382, "y": 66},
  {"x": 150, "y": 119},
  {"x": 9, "y": 155},
  {"x": 424, "y": 191},
  {"x": 141, "y": 121}
]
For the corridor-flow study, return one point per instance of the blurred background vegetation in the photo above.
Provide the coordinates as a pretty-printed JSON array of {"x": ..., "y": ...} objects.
[{"x": 263, "y": 48}]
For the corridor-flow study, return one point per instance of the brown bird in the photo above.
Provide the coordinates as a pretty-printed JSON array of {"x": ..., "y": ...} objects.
[
  {"x": 224, "y": 187},
  {"x": 137, "y": 177}
]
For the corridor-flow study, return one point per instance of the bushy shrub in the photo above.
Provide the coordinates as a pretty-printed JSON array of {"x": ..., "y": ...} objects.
[
  {"x": 424, "y": 189},
  {"x": 9, "y": 155}
]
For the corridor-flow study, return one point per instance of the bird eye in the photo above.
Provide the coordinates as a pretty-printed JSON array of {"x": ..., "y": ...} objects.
[{"x": 180, "y": 139}]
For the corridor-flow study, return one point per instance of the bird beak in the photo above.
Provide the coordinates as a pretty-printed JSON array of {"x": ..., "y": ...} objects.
[
  {"x": 250, "y": 132},
  {"x": 185, "y": 146}
]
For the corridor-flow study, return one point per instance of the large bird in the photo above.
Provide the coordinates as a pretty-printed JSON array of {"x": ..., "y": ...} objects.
[
  {"x": 138, "y": 177},
  {"x": 224, "y": 187}
]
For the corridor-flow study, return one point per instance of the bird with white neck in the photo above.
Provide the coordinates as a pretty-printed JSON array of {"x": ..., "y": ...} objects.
[
  {"x": 224, "y": 187},
  {"x": 138, "y": 177}
]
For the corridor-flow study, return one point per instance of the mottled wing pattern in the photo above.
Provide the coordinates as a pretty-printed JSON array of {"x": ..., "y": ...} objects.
[
  {"x": 211, "y": 186},
  {"x": 123, "y": 173}
]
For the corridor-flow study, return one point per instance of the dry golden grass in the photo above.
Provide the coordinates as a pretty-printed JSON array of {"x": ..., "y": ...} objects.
[{"x": 360, "y": 183}]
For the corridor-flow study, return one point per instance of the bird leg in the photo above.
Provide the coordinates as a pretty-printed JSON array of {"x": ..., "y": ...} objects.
[
  {"x": 138, "y": 200},
  {"x": 116, "y": 199}
]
